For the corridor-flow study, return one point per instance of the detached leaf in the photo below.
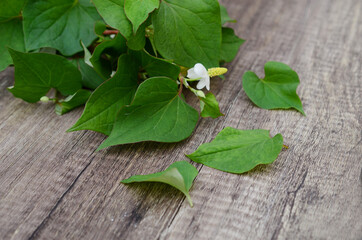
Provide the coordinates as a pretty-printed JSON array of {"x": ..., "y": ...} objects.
[
  {"x": 60, "y": 24},
  {"x": 12, "y": 36},
  {"x": 157, "y": 113},
  {"x": 179, "y": 175},
  {"x": 37, "y": 73},
  {"x": 230, "y": 44},
  {"x": 276, "y": 90},
  {"x": 137, "y": 11},
  {"x": 188, "y": 32},
  {"x": 113, "y": 14},
  {"x": 238, "y": 151},
  {"x": 73, "y": 101},
  {"x": 225, "y": 16},
  {"x": 104, "y": 103},
  {"x": 209, "y": 106}
]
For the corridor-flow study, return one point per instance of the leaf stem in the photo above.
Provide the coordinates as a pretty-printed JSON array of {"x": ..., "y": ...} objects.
[
  {"x": 181, "y": 79},
  {"x": 109, "y": 32}
]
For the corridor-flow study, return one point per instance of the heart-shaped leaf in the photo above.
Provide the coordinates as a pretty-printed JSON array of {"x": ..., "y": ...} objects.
[
  {"x": 157, "y": 113},
  {"x": 60, "y": 24},
  {"x": 37, "y": 73},
  {"x": 276, "y": 90},
  {"x": 179, "y": 175},
  {"x": 238, "y": 151},
  {"x": 188, "y": 32}
]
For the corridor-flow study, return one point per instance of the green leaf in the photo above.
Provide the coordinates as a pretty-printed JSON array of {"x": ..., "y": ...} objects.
[
  {"x": 113, "y": 49},
  {"x": 90, "y": 78},
  {"x": 276, "y": 90},
  {"x": 138, "y": 40},
  {"x": 102, "y": 107},
  {"x": 209, "y": 106},
  {"x": 225, "y": 16},
  {"x": 99, "y": 28},
  {"x": 10, "y": 9},
  {"x": 157, "y": 113},
  {"x": 73, "y": 101},
  {"x": 179, "y": 175},
  {"x": 60, "y": 24},
  {"x": 12, "y": 36},
  {"x": 37, "y": 73},
  {"x": 230, "y": 45},
  {"x": 188, "y": 31},
  {"x": 156, "y": 67},
  {"x": 113, "y": 14},
  {"x": 137, "y": 11},
  {"x": 87, "y": 55},
  {"x": 239, "y": 151}
]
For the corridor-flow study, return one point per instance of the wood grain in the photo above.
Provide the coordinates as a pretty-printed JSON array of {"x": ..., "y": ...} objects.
[{"x": 54, "y": 186}]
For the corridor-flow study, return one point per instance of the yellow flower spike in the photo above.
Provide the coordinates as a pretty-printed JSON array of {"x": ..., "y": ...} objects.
[{"x": 213, "y": 72}]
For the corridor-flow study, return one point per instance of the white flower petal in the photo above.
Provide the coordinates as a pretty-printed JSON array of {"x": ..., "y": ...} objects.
[
  {"x": 200, "y": 70},
  {"x": 201, "y": 84},
  {"x": 191, "y": 74}
]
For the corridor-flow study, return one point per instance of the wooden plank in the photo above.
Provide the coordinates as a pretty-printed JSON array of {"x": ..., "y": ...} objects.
[{"x": 54, "y": 186}]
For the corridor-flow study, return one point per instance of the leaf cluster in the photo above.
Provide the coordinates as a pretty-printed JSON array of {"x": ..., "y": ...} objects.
[{"x": 123, "y": 59}]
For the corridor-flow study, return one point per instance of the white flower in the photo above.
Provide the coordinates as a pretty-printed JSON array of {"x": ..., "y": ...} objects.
[{"x": 199, "y": 71}]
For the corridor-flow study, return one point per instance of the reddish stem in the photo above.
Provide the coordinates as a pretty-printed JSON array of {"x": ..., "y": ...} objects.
[
  {"x": 109, "y": 32},
  {"x": 181, "y": 78}
]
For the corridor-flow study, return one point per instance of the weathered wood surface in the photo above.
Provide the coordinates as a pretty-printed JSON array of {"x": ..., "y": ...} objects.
[{"x": 54, "y": 186}]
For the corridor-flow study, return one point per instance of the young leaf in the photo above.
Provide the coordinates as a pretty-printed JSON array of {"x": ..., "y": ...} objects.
[
  {"x": 113, "y": 14},
  {"x": 230, "y": 45},
  {"x": 12, "y": 36},
  {"x": 225, "y": 16},
  {"x": 209, "y": 106},
  {"x": 37, "y": 73},
  {"x": 156, "y": 67},
  {"x": 179, "y": 175},
  {"x": 114, "y": 48},
  {"x": 137, "y": 10},
  {"x": 238, "y": 151},
  {"x": 60, "y": 24},
  {"x": 10, "y": 9},
  {"x": 276, "y": 90},
  {"x": 73, "y": 101},
  {"x": 188, "y": 31},
  {"x": 104, "y": 103},
  {"x": 157, "y": 113}
]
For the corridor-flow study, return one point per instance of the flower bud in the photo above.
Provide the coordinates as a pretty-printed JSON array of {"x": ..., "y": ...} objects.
[{"x": 44, "y": 99}]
